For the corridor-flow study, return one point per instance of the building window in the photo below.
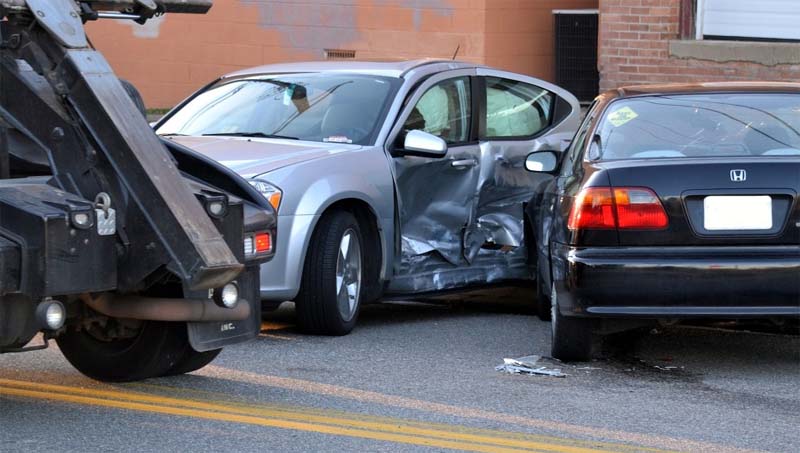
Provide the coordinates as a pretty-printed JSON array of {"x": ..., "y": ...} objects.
[{"x": 747, "y": 20}]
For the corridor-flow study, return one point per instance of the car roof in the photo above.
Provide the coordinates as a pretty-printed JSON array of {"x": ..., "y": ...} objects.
[
  {"x": 378, "y": 68},
  {"x": 711, "y": 87}
]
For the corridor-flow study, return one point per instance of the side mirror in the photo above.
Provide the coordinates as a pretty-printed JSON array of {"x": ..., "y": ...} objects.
[
  {"x": 541, "y": 161},
  {"x": 421, "y": 143}
]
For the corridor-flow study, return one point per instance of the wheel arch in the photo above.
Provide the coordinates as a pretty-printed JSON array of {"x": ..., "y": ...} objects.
[{"x": 374, "y": 235}]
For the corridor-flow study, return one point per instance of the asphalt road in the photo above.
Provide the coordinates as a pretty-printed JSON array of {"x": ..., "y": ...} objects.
[{"x": 417, "y": 377}]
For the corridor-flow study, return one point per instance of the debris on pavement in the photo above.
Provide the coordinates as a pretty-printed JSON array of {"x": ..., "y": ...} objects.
[{"x": 528, "y": 365}]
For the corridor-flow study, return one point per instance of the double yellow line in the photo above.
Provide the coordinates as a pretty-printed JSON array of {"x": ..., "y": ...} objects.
[{"x": 398, "y": 431}]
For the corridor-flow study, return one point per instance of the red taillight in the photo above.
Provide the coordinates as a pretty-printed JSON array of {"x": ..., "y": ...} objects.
[
  {"x": 263, "y": 243},
  {"x": 257, "y": 244},
  {"x": 594, "y": 209},
  {"x": 639, "y": 208},
  {"x": 632, "y": 208}
]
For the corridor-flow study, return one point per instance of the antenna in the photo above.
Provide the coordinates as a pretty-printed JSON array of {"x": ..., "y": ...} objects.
[{"x": 456, "y": 52}]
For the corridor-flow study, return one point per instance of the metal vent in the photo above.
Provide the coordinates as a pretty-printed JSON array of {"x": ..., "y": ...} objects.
[
  {"x": 339, "y": 54},
  {"x": 576, "y": 52}
]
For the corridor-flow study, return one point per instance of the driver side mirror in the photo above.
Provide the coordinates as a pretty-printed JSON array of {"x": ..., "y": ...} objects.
[
  {"x": 542, "y": 161},
  {"x": 423, "y": 144}
]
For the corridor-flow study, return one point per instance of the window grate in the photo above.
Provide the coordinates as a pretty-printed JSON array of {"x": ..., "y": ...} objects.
[{"x": 339, "y": 54}]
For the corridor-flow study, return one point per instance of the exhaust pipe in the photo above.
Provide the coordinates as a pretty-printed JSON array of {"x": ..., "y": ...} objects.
[{"x": 165, "y": 309}]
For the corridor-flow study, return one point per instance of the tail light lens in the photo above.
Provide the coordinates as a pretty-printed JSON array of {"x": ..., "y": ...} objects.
[
  {"x": 639, "y": 208},
  {"x": 633, "y": 208},
  {"x": 257, "y": 244}
]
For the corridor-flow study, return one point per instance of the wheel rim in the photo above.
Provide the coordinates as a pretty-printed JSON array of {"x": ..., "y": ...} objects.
[{"x": 348, "y": 275}]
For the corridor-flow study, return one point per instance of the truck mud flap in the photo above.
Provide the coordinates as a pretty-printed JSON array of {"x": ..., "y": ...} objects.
[{"x": 206, "y": 336}]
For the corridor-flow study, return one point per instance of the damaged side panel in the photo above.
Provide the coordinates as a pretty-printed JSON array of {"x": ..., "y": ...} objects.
[{"x": 462, "y": 220}]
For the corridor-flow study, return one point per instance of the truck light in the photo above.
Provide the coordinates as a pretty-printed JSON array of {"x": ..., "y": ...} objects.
[
  {"x": 227, "y": 296},
  {"x": 257, "y": 244},
  {"x": 51, "y": 314}
]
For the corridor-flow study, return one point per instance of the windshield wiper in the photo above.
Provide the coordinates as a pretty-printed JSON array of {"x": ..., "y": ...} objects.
[{"x": 250, "y": 134}]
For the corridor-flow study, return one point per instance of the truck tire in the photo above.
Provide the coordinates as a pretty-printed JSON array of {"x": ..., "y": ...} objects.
[
  {"x": 330, "y": 291},
  {"x": 156, "y": 349},
  {"x": 571, "y": 337},
  {"x": 191, "y": 360}
]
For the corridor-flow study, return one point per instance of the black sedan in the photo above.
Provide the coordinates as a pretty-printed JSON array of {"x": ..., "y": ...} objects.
[{"x": 673, "y": 202}]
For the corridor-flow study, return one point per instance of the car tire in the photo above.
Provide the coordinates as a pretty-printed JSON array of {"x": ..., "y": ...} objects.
[
  {"x": 543, "y": 303},
  {"x": 329, "y": 300},
  {"x": 571, "y": 337},
  {"x": 152, "y": 352}
]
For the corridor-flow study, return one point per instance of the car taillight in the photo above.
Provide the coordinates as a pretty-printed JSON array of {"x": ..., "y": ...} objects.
[
  {"x": 257, "y": 244},
  {"x": 626, "y": 208},
  {"x": 639, "y": 208},
  {"x": 593, "y": 209}
]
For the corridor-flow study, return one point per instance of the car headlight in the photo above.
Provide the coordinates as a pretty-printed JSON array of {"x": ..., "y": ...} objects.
[{"x": 272, "y": 193}]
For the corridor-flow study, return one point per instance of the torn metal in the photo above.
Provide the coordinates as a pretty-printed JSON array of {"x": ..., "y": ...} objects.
[{"x": 528, "y": 365}]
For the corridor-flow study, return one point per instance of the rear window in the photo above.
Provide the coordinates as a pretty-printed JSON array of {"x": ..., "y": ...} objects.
[{"x": 708, "y": 125}]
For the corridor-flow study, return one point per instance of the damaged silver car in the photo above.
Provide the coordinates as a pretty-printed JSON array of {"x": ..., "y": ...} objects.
[{"x": 389, "y": 179}]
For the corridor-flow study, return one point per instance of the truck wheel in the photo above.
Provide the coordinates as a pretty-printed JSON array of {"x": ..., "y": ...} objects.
[
  {"x": 330, "y": 292},
  {"x": 191, "y": 360},
  {"x": 571, "y": 337},
  {"x": 150, "y": 350}
]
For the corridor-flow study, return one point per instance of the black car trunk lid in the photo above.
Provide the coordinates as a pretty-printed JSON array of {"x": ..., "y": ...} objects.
[{"x": 732, "y": 201}]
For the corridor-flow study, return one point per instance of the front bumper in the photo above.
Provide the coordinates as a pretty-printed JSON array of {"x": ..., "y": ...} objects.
[
  {"x": 677, "y": 282},
  {"x": 280, "y": 277}
]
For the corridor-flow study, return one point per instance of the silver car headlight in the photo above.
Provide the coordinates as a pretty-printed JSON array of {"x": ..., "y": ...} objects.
[{"x": 272, "y": 193}]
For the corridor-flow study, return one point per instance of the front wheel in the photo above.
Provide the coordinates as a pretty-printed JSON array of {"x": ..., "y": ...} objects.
[
  {"x": 572, "y": 337},
  {"x": 330, "y": 292},
  {"x": 123, "y": 351}
]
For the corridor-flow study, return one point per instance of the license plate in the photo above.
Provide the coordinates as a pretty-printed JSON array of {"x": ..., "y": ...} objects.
[{"x": 737, "y": 213}]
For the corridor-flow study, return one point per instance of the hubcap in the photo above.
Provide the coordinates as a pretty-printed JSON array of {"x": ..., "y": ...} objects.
[{"x": 348, "y": 275}]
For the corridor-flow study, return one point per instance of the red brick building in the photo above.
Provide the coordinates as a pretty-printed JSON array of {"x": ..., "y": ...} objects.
[{"x": 657, "y": 41}]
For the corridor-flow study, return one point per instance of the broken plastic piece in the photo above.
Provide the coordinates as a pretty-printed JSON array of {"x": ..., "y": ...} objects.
[{"x": 528, "y": 365}]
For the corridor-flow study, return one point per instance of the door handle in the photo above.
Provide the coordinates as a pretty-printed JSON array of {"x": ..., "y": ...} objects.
[{"x": 464, "y": 163}]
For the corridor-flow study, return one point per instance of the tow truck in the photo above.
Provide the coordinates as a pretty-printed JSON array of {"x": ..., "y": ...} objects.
[{"x": 137, "y": 256}]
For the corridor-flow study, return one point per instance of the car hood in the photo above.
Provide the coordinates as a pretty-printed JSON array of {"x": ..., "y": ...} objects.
[{"x": 254, "y": 156}]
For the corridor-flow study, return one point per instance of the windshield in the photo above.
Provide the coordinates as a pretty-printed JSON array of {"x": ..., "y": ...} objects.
[
  {"x": 709, "y": 125},
  {"x": 336, "y": 108}
]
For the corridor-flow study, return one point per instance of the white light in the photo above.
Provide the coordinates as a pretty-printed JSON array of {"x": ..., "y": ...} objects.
[
  {"x": 248, "y": 246},
  {"x": 54, "y": 315},
  {"x": 82, "y": 219},
  {"x": 216, "y": 208},
  {"x": 230, "y": 295}
]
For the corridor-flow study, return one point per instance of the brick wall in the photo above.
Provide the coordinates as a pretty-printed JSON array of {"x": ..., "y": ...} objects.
[{"x": 634, "y": 49}]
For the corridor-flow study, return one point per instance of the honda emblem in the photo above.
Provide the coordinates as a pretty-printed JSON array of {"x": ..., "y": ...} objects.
[{"x": 738, "y": 175}]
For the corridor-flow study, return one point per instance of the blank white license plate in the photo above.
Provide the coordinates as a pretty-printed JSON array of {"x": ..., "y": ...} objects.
[{"x": 737, "y": 213}]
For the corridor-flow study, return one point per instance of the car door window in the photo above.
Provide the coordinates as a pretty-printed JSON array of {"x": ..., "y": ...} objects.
[
  {"x": 516, "y": 109},
  {"x": 445, "y": 111}
]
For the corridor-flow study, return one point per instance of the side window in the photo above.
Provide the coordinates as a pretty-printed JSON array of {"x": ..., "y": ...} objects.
[
  {"x": 516, "y": 109},
  {"x": 445, "y": 111}
]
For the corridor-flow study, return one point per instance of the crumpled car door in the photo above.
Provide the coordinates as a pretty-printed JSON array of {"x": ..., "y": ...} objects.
[{"x": 436, "y": 196}]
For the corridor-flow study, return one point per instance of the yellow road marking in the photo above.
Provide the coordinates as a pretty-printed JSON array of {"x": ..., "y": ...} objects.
[
  {"x": 222, "y": 398},
  {"x": 654, "y": 441},
  {"x": 282, "y": 419}
]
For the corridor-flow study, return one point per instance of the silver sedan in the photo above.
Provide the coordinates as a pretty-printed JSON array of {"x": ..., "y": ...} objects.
[{"x": 389, "y": 179}]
